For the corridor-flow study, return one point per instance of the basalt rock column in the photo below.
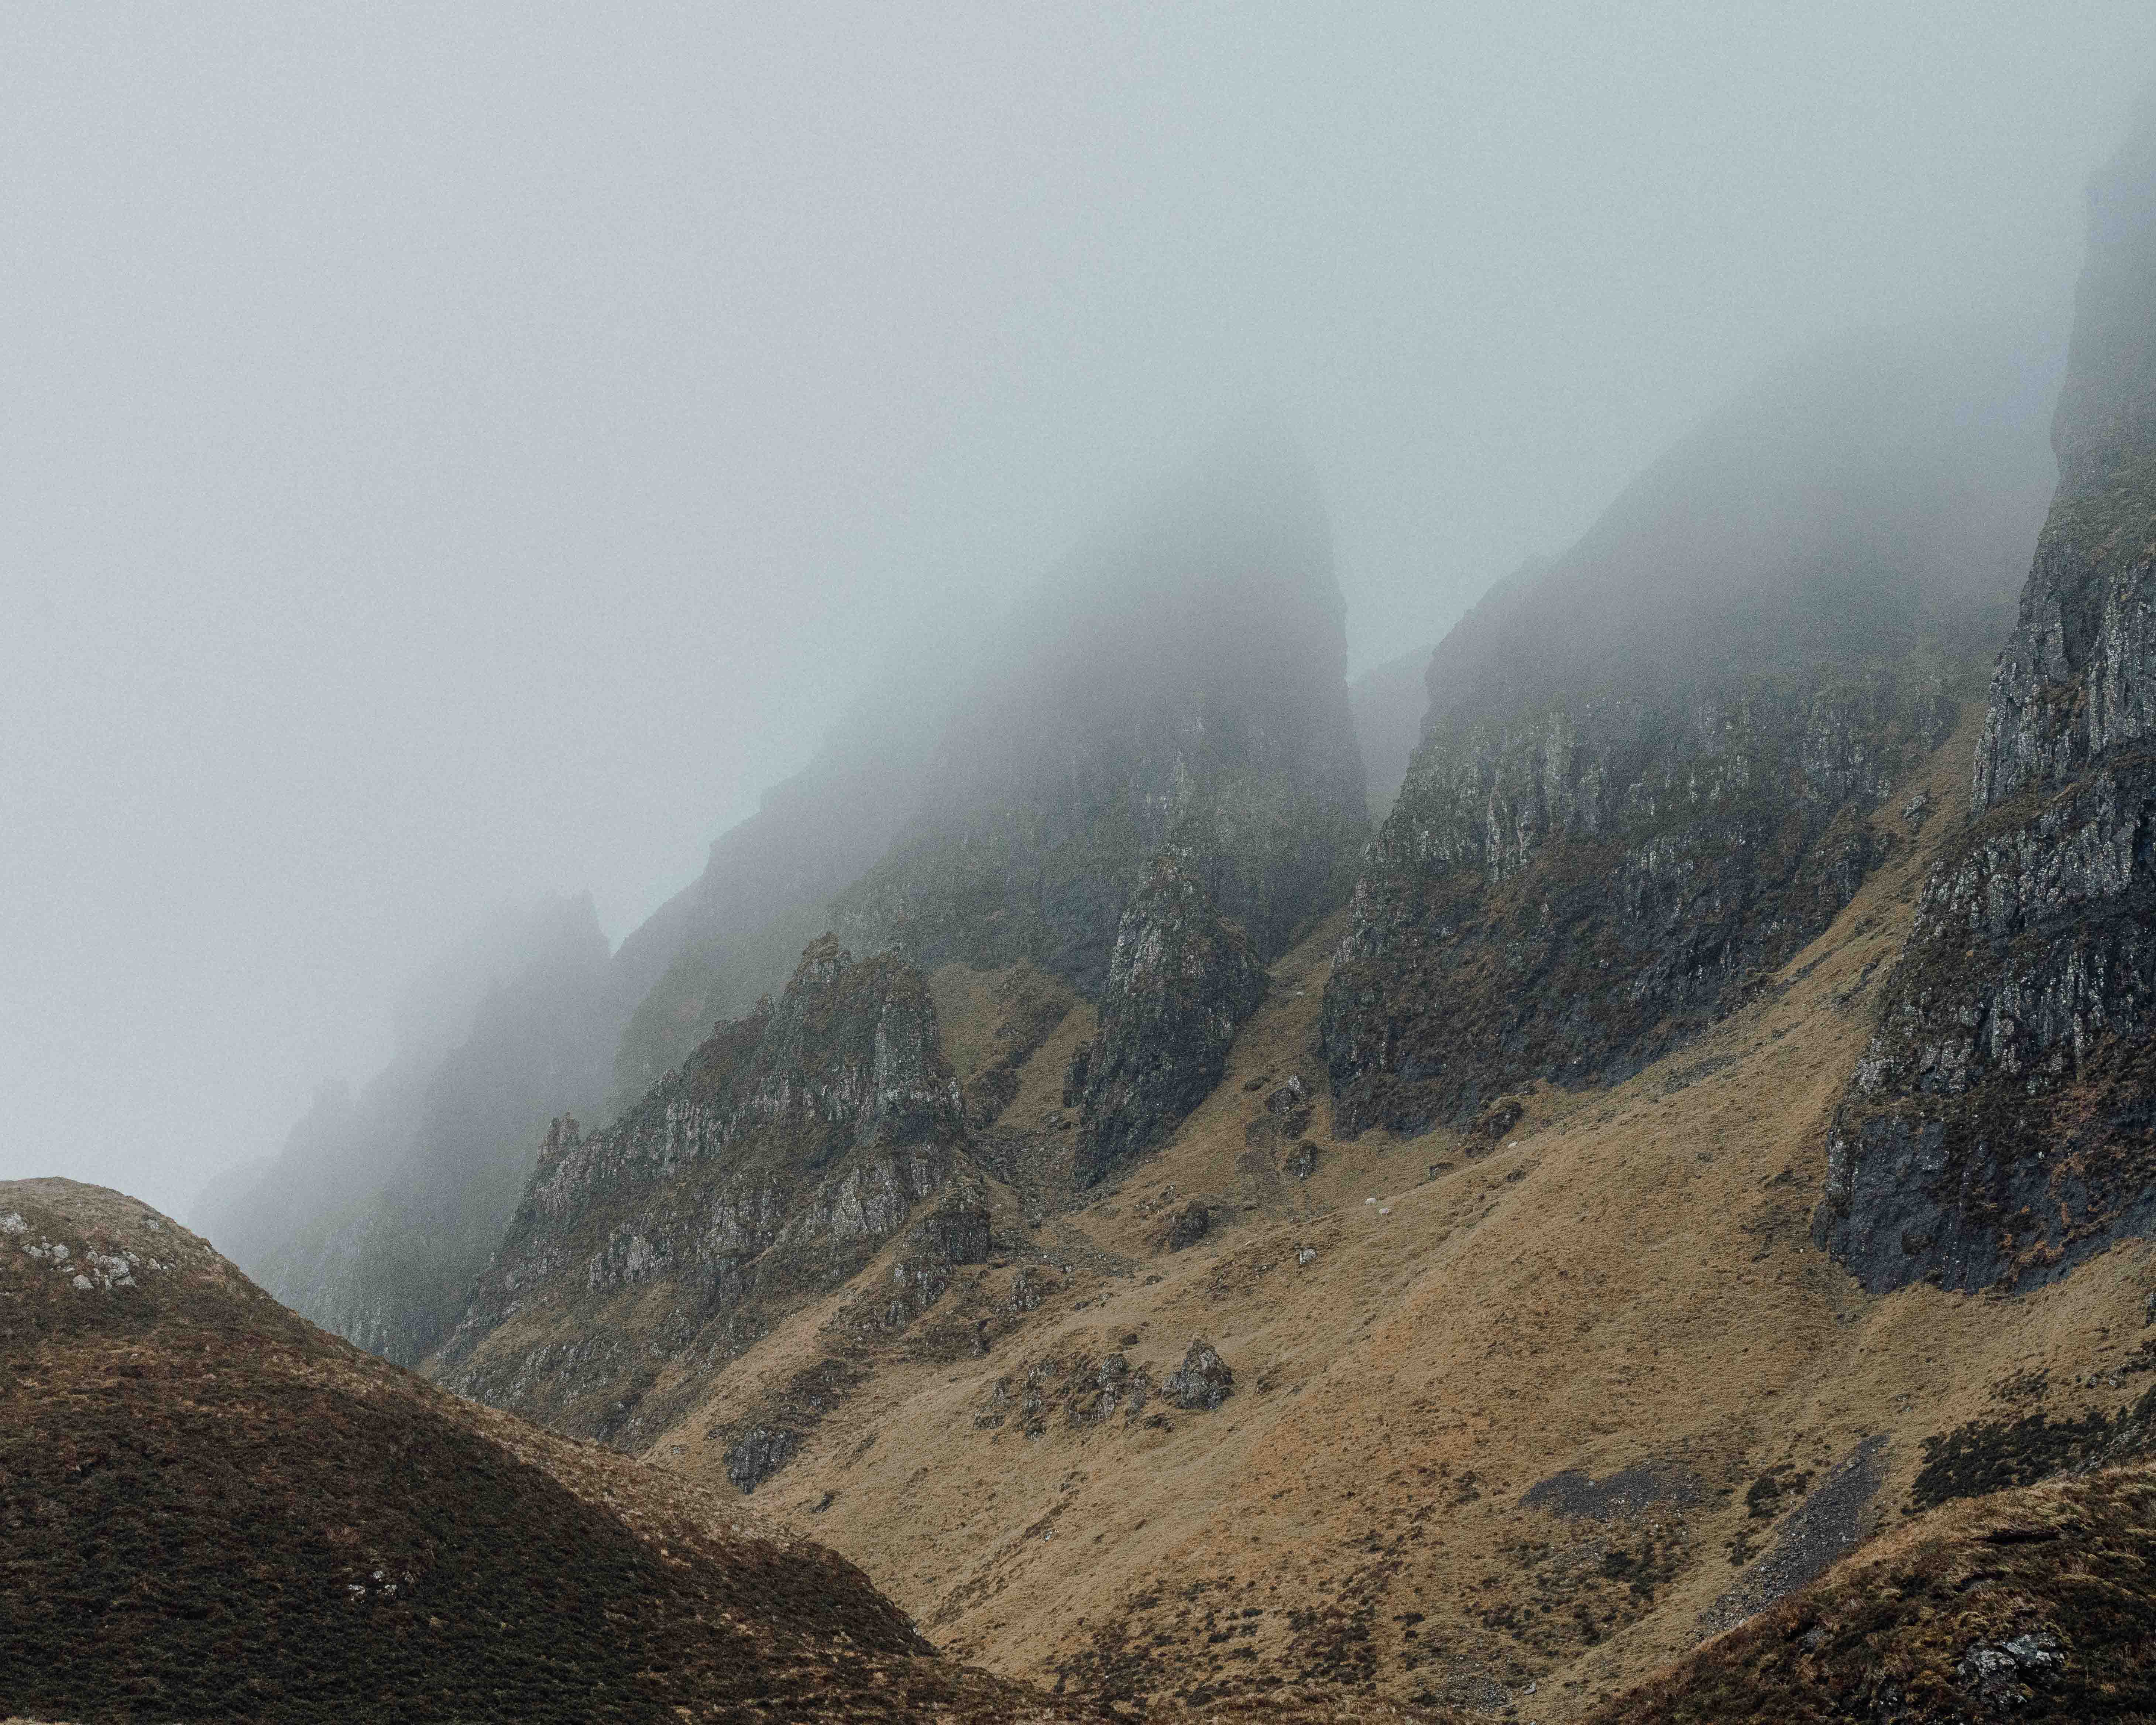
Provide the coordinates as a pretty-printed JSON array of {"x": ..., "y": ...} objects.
[
  {"x": 1181, "y": 979},
  {"x": 2002, "y": 1126}
]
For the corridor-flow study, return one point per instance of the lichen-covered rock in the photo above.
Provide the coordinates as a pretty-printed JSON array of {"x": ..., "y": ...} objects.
[
  {"x": 765, "y": 1171},
  {"x": 1647, "y": 772},
  {"x": 1180, "y": 680},
  {"x": 1202, "y": 1382},
  {"x": 1187, "y": 1226},
  {"x": 2002, "y": 1125},
  {"x": 1182, "y": 979}
]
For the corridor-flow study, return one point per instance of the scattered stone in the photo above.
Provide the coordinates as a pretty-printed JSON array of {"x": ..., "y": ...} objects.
[
  {"x": 1917, "y": 810},
  {"x": 1075, "y": 1071},
  {"x": 1302, "y": 1161},
  {"x": 1494, "y": 1121},
  {"x": 1579, "y": 1496},
  {"x": 1828, "y": 1524}
]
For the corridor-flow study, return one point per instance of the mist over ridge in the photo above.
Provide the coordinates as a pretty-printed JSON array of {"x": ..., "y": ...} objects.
[
  {"x": 418, "y": 516},
  {"x": 1288, "y": 863}
]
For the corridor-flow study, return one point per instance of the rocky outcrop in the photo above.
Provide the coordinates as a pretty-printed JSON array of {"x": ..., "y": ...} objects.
[
  {"x": 1565, "y": 895},
  {"x": 1646, "y": 775},
  {"x": 1179, "y": 680},
  {"x": 2002, "y": 1126},
  {"x": 1202, "y": 1382},
  {"x": 762, "y": 1174},
  {"x": 732, "y": 934},
  {"x": 1181, "y": 979}
]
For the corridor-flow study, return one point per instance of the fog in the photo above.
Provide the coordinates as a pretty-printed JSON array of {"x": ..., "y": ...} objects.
[{"x": 457, "y": 455}]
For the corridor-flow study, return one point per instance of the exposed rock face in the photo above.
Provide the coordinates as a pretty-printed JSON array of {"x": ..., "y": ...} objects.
[
  {"x": 1178, "y": 681},
  {"x": 1645, "y": 778},
  {"x": 2003, "y": 1125},
  {"x": 1181, "y": 979},
  {"x": 733, "y": 934},
  {"x": 766, "y": 1170}
]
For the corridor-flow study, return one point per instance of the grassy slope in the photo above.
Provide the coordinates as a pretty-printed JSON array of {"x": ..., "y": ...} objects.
[{"x": 1626, "y": 1279}]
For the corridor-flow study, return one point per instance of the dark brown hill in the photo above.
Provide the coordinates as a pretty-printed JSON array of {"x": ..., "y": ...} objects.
[
  {"x": 211, "y": 1510},
  {"x": 2033, "y": 1606}
]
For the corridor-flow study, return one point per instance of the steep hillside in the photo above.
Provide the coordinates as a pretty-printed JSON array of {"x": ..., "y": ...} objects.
[
  {"x": 1647, "y": 767},
  {"x": 734, "y": 932},
  {"x": 1177, "y": 680},
  {"x": 212, "y": 1510},
  {"x": 765, "y": 1170},
  {"x": 1502, "y": 1417},
  {"x": 381, "y": 1209},
  {"x": 2001, "y": 1129}
]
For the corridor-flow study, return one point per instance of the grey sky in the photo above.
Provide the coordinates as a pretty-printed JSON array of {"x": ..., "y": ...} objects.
[{"x": 452, "y": 454}]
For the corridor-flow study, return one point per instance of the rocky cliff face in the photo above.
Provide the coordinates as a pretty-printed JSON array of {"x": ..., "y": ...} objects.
[
  {"x": 2001, "y": 1126},
  {"x": 1177, "y": 682},
  {"x": 733, "y": 934},
  {"x": 1180, "y": 980},
  {"x": 1643, "y": 780},
  {"x": 764, "y": 1171}
]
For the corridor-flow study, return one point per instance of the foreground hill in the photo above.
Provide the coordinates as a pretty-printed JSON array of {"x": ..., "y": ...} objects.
[
  {"x": 2034, "y": 1605},
  {"x": 213, "y": 1511}
]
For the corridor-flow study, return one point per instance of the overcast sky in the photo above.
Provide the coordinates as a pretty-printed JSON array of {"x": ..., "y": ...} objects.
[{"x": 452, "y": 454}]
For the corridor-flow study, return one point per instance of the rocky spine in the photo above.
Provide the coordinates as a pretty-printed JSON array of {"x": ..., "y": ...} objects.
[
  {"x": 2000, "y": 1127},
  {"x": 1181, "y": 980},
  {"x": 762, "y": 1174}
]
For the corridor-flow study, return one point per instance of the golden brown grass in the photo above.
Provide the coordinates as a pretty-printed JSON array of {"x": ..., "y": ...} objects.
[{"x": 1626, "y": 1277}]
